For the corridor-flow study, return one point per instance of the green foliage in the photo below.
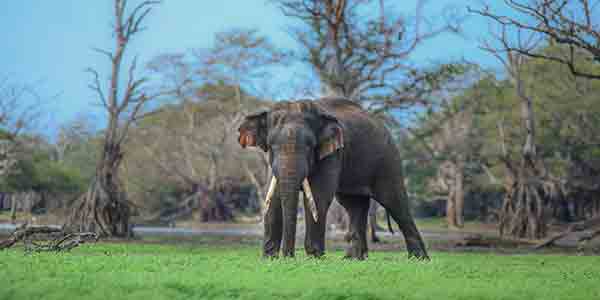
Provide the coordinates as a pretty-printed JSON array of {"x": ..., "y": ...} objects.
[
  {"x": 4, "y": 134},
  {"x": 566, "y": 114},
  {"x": 82, "y": 158},
  {"x": 39, "y": 172},
  {"x": 146, "y": 271},
  {"x": 565, "y": 110}
]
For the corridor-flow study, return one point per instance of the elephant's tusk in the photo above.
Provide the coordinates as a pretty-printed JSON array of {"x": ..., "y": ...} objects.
[
  {"x": 270, "y": 193},
  {"x": 310, "y": 199}
]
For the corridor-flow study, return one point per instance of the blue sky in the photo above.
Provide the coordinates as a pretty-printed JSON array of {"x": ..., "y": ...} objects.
[{"x": 49, "y": 42}]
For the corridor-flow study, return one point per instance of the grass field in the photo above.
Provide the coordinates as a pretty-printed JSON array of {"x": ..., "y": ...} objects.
[{"x": 222, "y": 271}]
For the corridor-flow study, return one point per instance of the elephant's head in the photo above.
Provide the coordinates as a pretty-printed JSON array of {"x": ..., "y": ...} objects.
[{"x": 297, "y": 135}]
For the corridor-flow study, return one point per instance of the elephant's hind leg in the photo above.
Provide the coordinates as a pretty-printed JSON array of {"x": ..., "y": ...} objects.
[
  {"x": 390, "y": 193},
  {"x": 358, "y": 210}
]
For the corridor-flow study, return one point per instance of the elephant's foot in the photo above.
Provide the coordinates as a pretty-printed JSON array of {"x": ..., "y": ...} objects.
[
  {"x": 356, "y": 256},
  {"x": 271, "y": 249},
  {"x": 416, "y": 250},
  {"x": 356, "y": 252},
  {"x": 315, "y": 255},
  {"x": 314, "y": 251},
  {"x": 288, "y": 253}
]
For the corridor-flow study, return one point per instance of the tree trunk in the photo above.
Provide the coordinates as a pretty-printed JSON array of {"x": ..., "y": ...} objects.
[
  {"x": 521, "y": 215},
  {"x": 459, "y": 194},
  {"x": 13, "y": 209},
  {"x": 451, "y": 210},
  {"x": 104, "y": 208}
]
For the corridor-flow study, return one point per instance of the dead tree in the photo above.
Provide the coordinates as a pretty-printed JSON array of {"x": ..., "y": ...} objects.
[
  {"x": 104, "y": 208},
  {"x": 521, "y": 215},
  {"x": 215, "y": 87},
  {"x": 20, "y": 110},
  {"x": 355, "y": 53},
  {"x": 572, "y": 24}
]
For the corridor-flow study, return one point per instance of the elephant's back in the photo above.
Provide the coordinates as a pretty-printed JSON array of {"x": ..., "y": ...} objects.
[
  {"x": 357, "y": 121},
  {"x": 341, "y": 107},
  {"x": 366, "y": 140}
]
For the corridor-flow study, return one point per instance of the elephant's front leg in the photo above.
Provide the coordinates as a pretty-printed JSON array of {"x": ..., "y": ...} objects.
[
  {"x": 273, "y": 223},
  {"x": 324, "y": 182},
  {"x": 314, "y": 239}
]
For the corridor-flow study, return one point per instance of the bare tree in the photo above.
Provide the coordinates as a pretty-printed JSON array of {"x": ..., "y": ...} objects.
[
  {"x": 521, "y": 214},
  {"x": 572, "y": 24},
  {"x": 447, "y": 138},
  {"x": 241, "y": 59},
  {"x": 20, "y": 110},
  {"x": 214, "y": 88},
  {"x": 358, "y": 53},
  {"x": 73, "y": 134},
  {"x": 104, "y": 208}
]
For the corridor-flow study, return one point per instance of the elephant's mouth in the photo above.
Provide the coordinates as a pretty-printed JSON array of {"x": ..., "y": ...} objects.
[{"x": 307, "y": 192}]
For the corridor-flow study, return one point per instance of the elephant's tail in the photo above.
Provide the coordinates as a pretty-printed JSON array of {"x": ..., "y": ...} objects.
[{"x": 389, "y": 222}]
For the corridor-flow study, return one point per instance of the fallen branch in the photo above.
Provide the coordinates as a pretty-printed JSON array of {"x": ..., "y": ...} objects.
[
  {"x": 575, "y": 227},
  {"x": 475, "y": 240},
  {"x": 55, "y": 238}
]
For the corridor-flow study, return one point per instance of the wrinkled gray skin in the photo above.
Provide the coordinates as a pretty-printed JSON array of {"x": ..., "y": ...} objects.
[{"x": 296, "y": 135}]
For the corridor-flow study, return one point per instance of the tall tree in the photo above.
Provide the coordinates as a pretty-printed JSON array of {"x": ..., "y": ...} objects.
[
  {"x": 445, "y": 141},
  {"x": 214, "y": 88},
  {"x": 362, "y": 48},
  {"x": 522, "y": 213},
  {"x": 104, "y": 208},
  {"x": 20, "y": 110}
]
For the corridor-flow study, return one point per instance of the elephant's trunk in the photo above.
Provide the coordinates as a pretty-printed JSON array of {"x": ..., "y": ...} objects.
[
  {"x": 289, "y": 201},
  {"x": 291, "y": 173}
]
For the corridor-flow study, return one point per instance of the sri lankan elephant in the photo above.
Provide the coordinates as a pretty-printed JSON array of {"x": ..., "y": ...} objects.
[{"x": 325, "y": 148}]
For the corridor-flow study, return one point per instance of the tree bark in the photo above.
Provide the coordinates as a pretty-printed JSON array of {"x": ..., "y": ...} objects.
[
  {"x": 458, "y": 194},
  {"x": 104, "y": 208},
  {"x": 451, "y": 210},
  {"x": 13, "y": 209}
]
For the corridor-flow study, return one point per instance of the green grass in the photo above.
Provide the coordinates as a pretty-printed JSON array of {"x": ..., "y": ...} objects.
[{"x": 191, "y": 271}]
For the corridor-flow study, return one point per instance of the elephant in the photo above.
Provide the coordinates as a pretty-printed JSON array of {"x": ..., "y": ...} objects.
[{"x": 326, "y": 148}]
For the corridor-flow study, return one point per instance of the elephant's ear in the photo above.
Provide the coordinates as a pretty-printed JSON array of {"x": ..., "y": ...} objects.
[
  {"x": 253, "y": 131},
  {"x": 331, "y": 137}
]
